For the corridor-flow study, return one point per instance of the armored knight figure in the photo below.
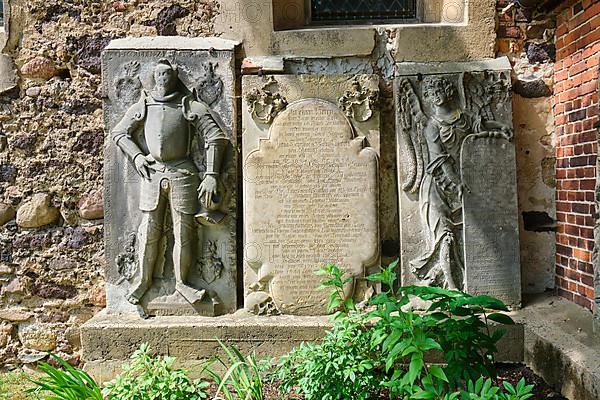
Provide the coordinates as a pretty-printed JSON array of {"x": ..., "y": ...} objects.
[{"x": 156, "y": 135}]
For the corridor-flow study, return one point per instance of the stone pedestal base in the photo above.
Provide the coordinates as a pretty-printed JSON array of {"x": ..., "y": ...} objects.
[{"x": 108, "y": 340}]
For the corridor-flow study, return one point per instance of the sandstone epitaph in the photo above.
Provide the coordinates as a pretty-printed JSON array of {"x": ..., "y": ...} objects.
[
  {"x": 489, "y": 213},
  {"x": 457, "y": 178},
  {"x": 310, "y": 188},
  {"x": 170, "y": 176}
]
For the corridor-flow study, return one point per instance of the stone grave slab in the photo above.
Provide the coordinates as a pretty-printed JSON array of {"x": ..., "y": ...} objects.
[
  {"x": 457, "y": 177},
  {"x": 491, "y": 236},
  {"x": 159, "y": 225},
  {"x": 310, "y": 171}
]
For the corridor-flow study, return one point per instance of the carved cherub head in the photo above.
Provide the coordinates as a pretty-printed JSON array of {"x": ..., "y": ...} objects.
[{"x": 438, "y": 90}]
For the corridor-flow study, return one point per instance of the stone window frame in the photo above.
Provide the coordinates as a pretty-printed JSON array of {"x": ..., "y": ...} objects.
[
  {"x": 295, "y": 14},
  {"x": 254, "y": 23}
]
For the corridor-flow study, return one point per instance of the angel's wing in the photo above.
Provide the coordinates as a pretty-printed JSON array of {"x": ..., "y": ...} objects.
[
  {"x": 476, "y": 96},
  {"x": 411, "y": 121}
]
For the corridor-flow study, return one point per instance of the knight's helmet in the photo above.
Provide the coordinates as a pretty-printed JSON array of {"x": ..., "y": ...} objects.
[
  {"x": 165, "y": 63},
  {"x": 210, "y": 216}
]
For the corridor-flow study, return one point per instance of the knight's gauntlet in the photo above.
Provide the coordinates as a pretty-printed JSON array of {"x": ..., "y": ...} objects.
[
  {"x": 215, "y": 140},
  {"x": 214, "y": 156}
]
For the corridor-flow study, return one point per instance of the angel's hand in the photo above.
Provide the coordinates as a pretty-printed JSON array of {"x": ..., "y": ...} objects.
[
  {"x": 462, "y": 188},
  {"x": 484, "y": 134},
  {"x": 507, "y": 133}
]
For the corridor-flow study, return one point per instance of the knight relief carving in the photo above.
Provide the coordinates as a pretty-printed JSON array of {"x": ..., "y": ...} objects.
[
  {"x": 434, "y": 126},
  {"x": 157, "y": 134}
]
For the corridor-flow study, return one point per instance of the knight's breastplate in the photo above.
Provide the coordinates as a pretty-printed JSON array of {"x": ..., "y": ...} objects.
[{"x": 167, "y": 131}]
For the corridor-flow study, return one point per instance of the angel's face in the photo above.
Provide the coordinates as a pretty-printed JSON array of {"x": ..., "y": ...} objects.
[
  {"x": 439, "y": 91},
  {"x": 439, "y": 97}
]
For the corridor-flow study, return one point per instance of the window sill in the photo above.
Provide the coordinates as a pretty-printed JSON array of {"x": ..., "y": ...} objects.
[{"x": 366, "y": 26}]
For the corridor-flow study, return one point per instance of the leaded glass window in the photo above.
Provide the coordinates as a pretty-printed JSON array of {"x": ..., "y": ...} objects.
[
  {"x": 361, "y": 10},
  {"x": 1, "y": 12}
]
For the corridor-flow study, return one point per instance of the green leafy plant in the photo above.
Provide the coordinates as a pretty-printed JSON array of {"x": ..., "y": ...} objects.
[
  {"x": 484, "y": 390},
  {"x": 343, "y": 365},
  {"x": 338, "y": 302},
  {"x": 65, "y": 383},
  {"x": 243, "y": 375},
  {"x": 454, "y": 326},
  {"x": 388, "y": 346},
  {"x": 155, "y": 378}
]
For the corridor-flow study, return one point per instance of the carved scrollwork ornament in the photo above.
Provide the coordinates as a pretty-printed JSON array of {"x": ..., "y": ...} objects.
[
  {"x": 265, "y": 104},
  {"x": 359, "y": 103}
]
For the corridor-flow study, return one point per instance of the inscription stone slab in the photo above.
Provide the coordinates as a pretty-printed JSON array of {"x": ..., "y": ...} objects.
[
  {"x": 170, "y": 122},
  {"x": 457, "y": 174},
  {"x": 310, "y": 193},
  {"x": 491, "y": 234}
]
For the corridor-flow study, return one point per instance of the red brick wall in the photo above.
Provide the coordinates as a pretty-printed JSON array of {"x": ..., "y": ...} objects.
[{"x": 575, "y": 113}]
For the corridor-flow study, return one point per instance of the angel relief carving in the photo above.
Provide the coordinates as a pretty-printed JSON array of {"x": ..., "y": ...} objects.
[{"x": 434, "y": 128}]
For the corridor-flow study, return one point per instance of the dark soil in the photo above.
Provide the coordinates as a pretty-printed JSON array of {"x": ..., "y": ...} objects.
[{"x": 511, "y": 373}]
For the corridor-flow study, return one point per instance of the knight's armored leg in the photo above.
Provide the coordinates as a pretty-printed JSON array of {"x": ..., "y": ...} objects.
[
  {"x": 150, "y": 233},
  {"x": 184, "y": 231}
]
